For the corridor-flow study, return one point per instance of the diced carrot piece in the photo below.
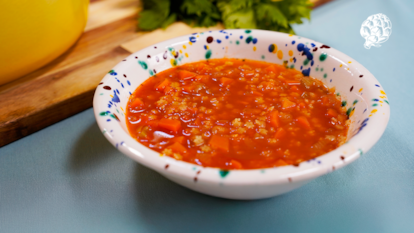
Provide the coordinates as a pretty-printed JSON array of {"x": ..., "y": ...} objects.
[
  {"x": 179, "y": 139},
  {"x": 294, "y": 88},
  {"x": 202, "y": 77},
  {"x": 292, "y": 82},
  {"x": 173, "y": 125},
  {"x": 188, "y": 88},
  {"x": 302, "y": 105},
  {"x": 325, "y": 100},
  {"x": 280, "y": 133},
  {"x": 136, "y": 103},
  {"x": 235, "y": 164},
  {"x": 226, "y": 81},
  {"x": 178, "y": 148},
  {"x": 288, "y": 104},
  {"x": 332, "y": 113},
  {"x": 163, "y": 85},
  {"x": 256, "y": 93},
  {"x": 153, "y": 124},
  {"x": 220, "y": 143},
  {"x": 303, "y": 121},
  {"x": 280, "y": 163},
  {"x": 274, "y": 118},
  {"x": 184, "y": 74},
  {"x": 270, "y": 68}
]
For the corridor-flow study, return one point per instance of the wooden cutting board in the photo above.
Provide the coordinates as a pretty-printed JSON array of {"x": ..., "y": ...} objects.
[{"x": 66, "y": 86}]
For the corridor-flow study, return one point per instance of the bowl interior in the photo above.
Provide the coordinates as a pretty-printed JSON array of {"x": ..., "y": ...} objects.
[{"x": 362, "y": 95}]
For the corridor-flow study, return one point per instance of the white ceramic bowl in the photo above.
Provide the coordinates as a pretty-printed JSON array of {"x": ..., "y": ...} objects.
[{"x": 365, "y": 98}]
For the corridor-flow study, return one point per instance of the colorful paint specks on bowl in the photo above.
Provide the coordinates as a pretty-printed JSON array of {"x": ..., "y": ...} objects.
[{"x": 365, "y": 99}]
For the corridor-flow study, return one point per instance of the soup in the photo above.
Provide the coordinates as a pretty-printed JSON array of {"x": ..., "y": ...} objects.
[{"x": 236, "y": 114}]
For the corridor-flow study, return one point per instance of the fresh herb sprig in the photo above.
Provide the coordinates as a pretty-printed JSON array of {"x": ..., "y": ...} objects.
[{"x": 276, "y": 15}]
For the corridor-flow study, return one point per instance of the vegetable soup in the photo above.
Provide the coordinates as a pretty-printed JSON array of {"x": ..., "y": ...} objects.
[{"x": 236, "y": 114}]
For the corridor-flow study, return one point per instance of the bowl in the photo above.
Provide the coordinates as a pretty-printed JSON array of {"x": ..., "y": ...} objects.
[{"x": 365, "y": 100}]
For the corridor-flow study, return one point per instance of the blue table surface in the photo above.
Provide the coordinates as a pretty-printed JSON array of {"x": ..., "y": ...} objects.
[{"x": 68, "y": 178}]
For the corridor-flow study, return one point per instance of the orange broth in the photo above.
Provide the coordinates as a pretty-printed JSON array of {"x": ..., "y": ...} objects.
[{"x": 236, "y": 114}]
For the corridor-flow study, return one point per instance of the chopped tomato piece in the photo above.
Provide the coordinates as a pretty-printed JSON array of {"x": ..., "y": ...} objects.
[
  {"x": 280, "y": 133},
  {"x": 178, "y": 148},
  {"x": 288, "y": 104},
  {"x": 173, "y": 125},
  {"x": 184, "y": 74},
  {"x": 226, "y": 81},
  {"x": 220, "y": 143},
  {"x": 273, "y": 118},
  {"x": 163, "y": 85},
  {"x": 303, "y": 121}
]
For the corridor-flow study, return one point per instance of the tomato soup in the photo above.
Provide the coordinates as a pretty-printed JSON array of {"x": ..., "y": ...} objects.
[{"x": 236, "y": 114}]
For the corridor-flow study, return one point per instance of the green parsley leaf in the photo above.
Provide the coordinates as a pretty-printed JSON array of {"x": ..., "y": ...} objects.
[
  {"x": 171, "y": 19},
  {"x": 277, "y": 15},
  {"x": 155, "y": 13},
  {"x": 203, "y": 13},
  {"x": 243, "y": 18},
  {"x": 270, "y": 14}
]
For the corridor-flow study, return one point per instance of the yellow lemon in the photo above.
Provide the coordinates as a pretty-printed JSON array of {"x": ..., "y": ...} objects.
[{"x": 34, "y": 32}]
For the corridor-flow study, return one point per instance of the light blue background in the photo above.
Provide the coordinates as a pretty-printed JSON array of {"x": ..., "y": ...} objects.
[{"x": 68, "y": 178}]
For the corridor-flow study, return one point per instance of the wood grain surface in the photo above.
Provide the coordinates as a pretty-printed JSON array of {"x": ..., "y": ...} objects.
[{"x": 66, "y": 86}]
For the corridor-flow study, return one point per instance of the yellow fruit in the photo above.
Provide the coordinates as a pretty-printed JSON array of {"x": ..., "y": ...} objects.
[{"x": 34, "y": 32}]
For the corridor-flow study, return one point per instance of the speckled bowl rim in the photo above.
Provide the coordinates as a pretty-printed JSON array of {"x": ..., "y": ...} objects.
[{"x": 347, "y": 153}]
